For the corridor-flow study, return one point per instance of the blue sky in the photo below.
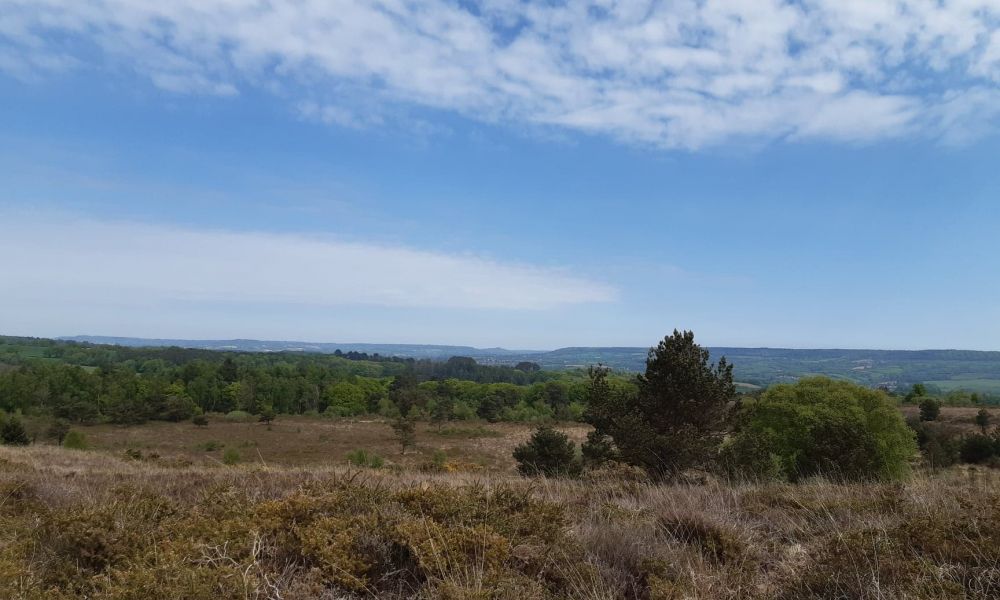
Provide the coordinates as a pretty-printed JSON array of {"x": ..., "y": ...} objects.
[{"x": 503, "y": 173}]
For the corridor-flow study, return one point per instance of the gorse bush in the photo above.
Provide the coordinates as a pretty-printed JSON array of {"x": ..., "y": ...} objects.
[
  {"x": 548, "y": 452},
  {"x": 75, "y": 440},
  {"x": 820, "y": 427},
  {"x": 231, "y": 456}
]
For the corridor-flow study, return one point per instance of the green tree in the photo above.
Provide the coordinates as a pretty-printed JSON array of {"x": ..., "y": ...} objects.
[
  {"x": 548, "y": 452},
  {"x": 918, "y": 390},
  {"x": 929, "y": 409},
  {"x": 819, "y": 426},
  {"x": 12, "y": 432},
  {"x": 57, "y": 431},
  {"x": 676, "y": 419},
  {"x": 405, "y": 432},
  {"x": 266, "y": 416},
  {"x": 983, "y": 419}
]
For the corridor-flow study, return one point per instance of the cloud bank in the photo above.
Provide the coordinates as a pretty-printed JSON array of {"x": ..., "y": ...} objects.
[
  {"x": 680, "y": 74},
  {"x": 126, "y": 264}
]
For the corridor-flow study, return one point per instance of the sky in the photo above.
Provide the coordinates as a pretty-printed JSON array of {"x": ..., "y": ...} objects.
[{"x": 532, "y": 175}]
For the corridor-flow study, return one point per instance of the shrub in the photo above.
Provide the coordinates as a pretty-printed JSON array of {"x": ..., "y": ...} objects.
[
  {"x": 977, "y": 449},
  {"x": 405, "y": 431},
  {"x": 12, "y": 432},
  {"x": 548, "y": 452},
  {"x": 75, "y": 440},
  {"x": 239, "y": 416},
  {"x": 982, "y": 419},
  {"x": 821, "y": 426},
  {"x": 231, "y": 456},
  {"x": 200, "y": 420},
  {"x": 266, "y": 415},
  {"x": 676, "y": 418},
  {"x": 366, "y": 459},
  {"x": 938, "y": 445},
  {"x": 929, "y": 409},
  {"x": 57, "y": 430},
  {"x": 211, "y": 446}
]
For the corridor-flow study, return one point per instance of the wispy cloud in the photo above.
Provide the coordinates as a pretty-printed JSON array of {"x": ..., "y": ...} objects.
[
  {"x": 689, "y": 74},
  {"x": 93, "y": 263}
]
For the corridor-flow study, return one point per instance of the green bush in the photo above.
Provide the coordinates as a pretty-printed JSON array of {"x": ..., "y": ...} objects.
[
  {"x": 75, "y": 440},
  {"x": 820, "y": 427},
  {"x": 977, "y": 449},
  {"x": 211, "y": 446},
  {"x": 200, "y": 420},
  {"x": 548, "y": 452},
  {"x": 12, "y": 432},
  {"x": 929, "y": 409},
  {"x": 366, "y": 459},
  {"x": 239, "y": 416},
  {"x": 231, "y": 456}
]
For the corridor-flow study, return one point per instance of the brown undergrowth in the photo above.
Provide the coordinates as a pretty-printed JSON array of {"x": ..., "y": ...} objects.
[{"x": 92, "y": 525}]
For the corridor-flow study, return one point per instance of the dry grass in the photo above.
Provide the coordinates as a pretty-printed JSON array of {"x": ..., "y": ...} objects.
[
  {"x": 93, "y": 524},
  {"x": 312, "y": 441}
]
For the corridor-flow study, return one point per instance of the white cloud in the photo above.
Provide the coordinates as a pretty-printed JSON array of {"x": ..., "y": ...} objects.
[
  {"x": 688, "y": 73},
  {"x": 92, "y": 263}
]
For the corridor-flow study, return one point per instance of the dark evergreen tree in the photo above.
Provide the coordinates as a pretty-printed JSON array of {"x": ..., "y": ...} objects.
[
  {"x": 12, "y": 433},
  {"x": 677, "y": 418},
  {"x": 548, "y": 452}
]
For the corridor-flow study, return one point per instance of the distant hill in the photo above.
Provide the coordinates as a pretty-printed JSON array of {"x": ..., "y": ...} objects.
[
  {"x": 431, "y": 351},
  {"x": 896, "y": 369}
]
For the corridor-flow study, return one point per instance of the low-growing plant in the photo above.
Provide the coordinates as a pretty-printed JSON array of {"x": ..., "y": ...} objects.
[
  {"x": 977, "y": 448},
  {"x": 366, "y": 459},
  {"x": 548, "y": 452},
  {"x": 930, "y": 408},
  {"x": 13, "y": 433},
  {"x": 75, "y": 440},
  {"x": 231, "y": 456},
  {"x": 239, "y": 416},
  {"x": 467, "y": 432},
  {"x": 210, "y": 446},
  {"x": 200, "y": 420}
]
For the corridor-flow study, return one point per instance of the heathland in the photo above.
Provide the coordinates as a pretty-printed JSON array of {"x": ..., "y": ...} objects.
[{"x": 178, "y": 473}]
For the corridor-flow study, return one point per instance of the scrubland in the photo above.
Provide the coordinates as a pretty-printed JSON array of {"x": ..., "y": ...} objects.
[{"x": 148, "y": 513}]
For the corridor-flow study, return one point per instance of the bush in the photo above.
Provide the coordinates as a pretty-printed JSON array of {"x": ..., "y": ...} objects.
[
  {"x": 366, "y": 459},
  {"x": 12, "y": 433},
  {"x": 548, "y": 452},
  {"x": 929, "y": 409},
  {"x": 938, "y": 445},
  {"x": 75, "y": 440},
  {"x": 239, "y": 416},
  {"x": 405, "y": 431},
  {"x": 977, "y": 449},
  {"x": 231, "y": 456},
  {"x": 200, "y": 420},
  {"x": 820, "y": 426},
  {"x": 57, "y": 430},
  {"x": 982, "y": 419}
]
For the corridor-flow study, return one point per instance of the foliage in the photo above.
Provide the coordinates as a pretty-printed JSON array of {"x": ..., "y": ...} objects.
[
  {"x": 549, "y": 452},
  {"x": 930, "y": 408},
  {"x": 266, "y": 415},
  {"x": 231, "y": 456},
  {"x": 366, "y": 459},
  {"x": 978, "y": 448},
  {"x": 75, "y": 440},
  {"x": 239, "y": 416},
  {"x": 819, "y": 426},
  {"x": 57, "y": 430},
  {"x": 12, "y": 432},
  {"x": 982, "y": 419},
  {"x": 676, "y": 417},
  {"x": 405, "y": 432},
  {"x": 199, "y": 420}
]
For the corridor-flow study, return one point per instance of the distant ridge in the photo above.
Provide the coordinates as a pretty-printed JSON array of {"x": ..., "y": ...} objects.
[{"x": 893, "y": 369}]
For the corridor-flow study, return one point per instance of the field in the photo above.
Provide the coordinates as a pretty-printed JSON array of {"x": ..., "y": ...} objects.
[
  {"x": 153, "y": 512},
  {"x": 315, "y": 442}
]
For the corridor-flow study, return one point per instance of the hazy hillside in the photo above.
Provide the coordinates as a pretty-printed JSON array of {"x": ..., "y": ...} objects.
[{"x": 946, "y": 369}]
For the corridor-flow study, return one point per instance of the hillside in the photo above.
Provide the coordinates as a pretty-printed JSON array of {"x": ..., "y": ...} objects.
[{"x": 896, "y": 369}]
